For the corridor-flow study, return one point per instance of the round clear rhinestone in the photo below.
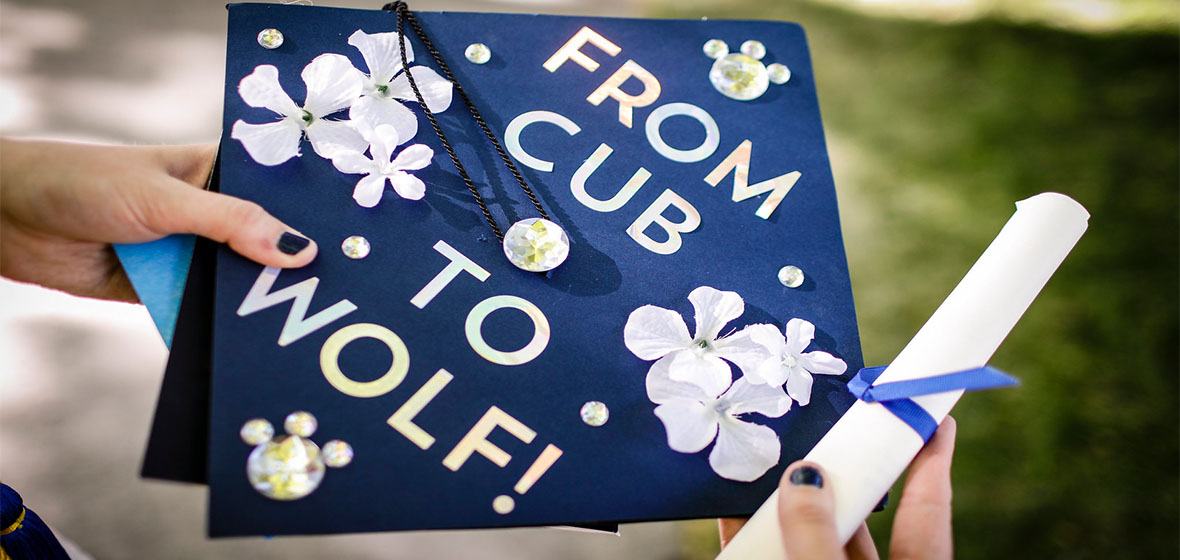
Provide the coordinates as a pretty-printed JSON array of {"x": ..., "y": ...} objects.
[
  {"x": 337, "y": 453},
  {"x": 355, "y": 247},
  {"x": 595, "y": 413},
  {"x": 536, "y": 245},
  {"x": 286, "y": 468},
  {"x": 715, "y": 48},
  {"x": 257, "y": 431},
  {"x": 478, "y": 53},
  {"x": 270, "y": 38},
  {"x": 790, "y": 276},
  {"x": 300, "y": 423},
  {"x": 778, "y": 73},
  {"x": 754, "y": 49},
  {"x": 503, "y": 504},
  {"x": 739, "y": 76}
]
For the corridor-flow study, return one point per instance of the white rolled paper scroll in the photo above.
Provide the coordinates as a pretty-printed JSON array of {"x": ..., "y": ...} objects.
[{"x": 868, "y": 448}]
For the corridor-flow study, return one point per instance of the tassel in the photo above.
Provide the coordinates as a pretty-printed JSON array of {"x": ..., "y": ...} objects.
[{"x": 23, "y": 536}]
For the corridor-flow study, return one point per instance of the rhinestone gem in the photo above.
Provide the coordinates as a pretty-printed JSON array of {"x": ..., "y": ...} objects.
[
  {"x": 778, "y": 73},
  {"x": 300, "y": 423},
  {"x": 739, "y": 76},
  {"x": 503, "y": 504},
  {"x": 257, "y": 431},
  {"x": 715, "y": 48},
  {"x": 790, "y": 276},
  {"x": 536, "y": 245},
  {"x": 478, "y": 53},
  {"x": 337, "y": 453},
  {"x": 270, "y": 38},
  {"x": 595, "y": 413},
  {"x": 754, "y": 49},
  {"x": 286, "y": 468},
  {"x": 355, "y": 247}
]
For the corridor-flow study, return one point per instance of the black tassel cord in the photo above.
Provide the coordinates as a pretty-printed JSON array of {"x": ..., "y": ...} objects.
[{"x": 405, "y": 15}]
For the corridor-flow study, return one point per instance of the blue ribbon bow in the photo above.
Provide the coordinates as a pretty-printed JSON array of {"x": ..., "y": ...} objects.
[{"x": 895, "y": 395}]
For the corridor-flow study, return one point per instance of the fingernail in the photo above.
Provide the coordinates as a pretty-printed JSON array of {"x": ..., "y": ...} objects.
[
  {"x": 291, "y": 244},
  {"x": 807, "y": 476},
  {"x": 881, "y": 505}
]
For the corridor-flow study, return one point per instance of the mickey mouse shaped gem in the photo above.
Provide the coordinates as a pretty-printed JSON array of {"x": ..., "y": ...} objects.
[
  {"x": 742, "y": 76},
  {"x": 291, "y": 466}
]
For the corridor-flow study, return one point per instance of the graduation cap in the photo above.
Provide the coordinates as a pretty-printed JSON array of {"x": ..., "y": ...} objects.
[{"x": 647, "y": 342}]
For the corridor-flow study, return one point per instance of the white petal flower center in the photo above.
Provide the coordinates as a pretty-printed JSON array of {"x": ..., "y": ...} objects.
[{"x": 789, "y": 361}]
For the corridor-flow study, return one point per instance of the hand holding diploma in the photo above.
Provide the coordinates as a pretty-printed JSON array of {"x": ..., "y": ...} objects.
[
  {"x": 869, "y": 447},
  {"x": 921, "y": 527}
]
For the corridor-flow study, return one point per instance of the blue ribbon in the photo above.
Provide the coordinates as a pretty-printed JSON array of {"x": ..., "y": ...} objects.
[{"x": 895, "y": 395}]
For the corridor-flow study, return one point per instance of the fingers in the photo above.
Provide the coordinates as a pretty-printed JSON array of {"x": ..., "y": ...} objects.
[
  {"x": 243, "y": 225},
  {"x": 806, "y": 514},
  {"x": 192, "y": 163},
  {"x": 727, "y": 528},
  {"x": 922, "y": 526},
  {"x": 861, "y": 546}
]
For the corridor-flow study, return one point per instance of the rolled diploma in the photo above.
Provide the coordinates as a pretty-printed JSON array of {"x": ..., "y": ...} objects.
[{"x": 868, "y": 448}]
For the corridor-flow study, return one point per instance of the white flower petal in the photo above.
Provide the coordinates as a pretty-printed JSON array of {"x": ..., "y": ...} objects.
[
  {"x": 436, "y": 90},
  {"x": 651, "y": 332},
  {"x": 383, "y": 143},
  {"x": 414, "y": 157},
  {"x": 799, "y": 335},
  {"x": 370, "y": 112},
  {"x": 369, "y": 190},
  {"x": 328, "y": 137},
  {"x": 767, "y": 400},
  {"x": 408, "y": 186},
  {"x": 771, "y": 372},
  {"x": 772, "y": 339},
  {"x": 261, "y": 89},
  {"x": 710, "y": 373},
  {"x": 662, "y": 389},
  {"x": 799, "y": 385},
  {"x": 822, "y": 363},
  {"x": 714, "y": 308},
  {"x": 742, "y": 348},
  {"x": 332, "y": 84},
  {"x": 347, "y": 161},
  {"x": 271, "y": 143},
  {"x": 744, "y": 451},
  {"x": 381, "y": 52},
  {"x": 691, "y": 425}
]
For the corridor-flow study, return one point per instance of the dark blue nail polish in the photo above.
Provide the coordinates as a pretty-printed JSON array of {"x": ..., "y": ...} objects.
[
  {"x": 881, "y": 505},
  {"x": 807, "y": 476},
  {"x": 292, "y": 244}
]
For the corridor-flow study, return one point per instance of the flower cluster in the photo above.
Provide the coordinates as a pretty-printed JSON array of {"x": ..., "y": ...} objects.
[
  {"x": 378, "y": 122},
  {"x": 692, "y": 384}
]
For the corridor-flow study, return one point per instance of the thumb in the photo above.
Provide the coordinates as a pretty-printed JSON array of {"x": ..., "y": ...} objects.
[
  {"x": 806, "y": 512},
  {"x": 243, "y": 225}
]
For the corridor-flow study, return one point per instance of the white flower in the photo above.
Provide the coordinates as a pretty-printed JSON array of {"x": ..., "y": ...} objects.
[
  {"x": 788, "y": 363},
  {"x": 654, "y": 332},
  {"x": 384, "y": 167},
  {"x": 332, "y": 85},
  {"x": 386, "y": 85},
  {"x": 692, "y": 418}
]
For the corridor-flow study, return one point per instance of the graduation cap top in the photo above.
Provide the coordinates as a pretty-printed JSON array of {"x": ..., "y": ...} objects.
[{"x": 625, "y": 384}]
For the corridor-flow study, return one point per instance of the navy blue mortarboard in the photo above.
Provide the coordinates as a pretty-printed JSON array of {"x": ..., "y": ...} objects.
[{"x": 679, "y": 157}]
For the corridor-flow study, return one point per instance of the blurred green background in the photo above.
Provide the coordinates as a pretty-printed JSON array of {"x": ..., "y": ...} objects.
[{"x": 937, "y": 123}]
